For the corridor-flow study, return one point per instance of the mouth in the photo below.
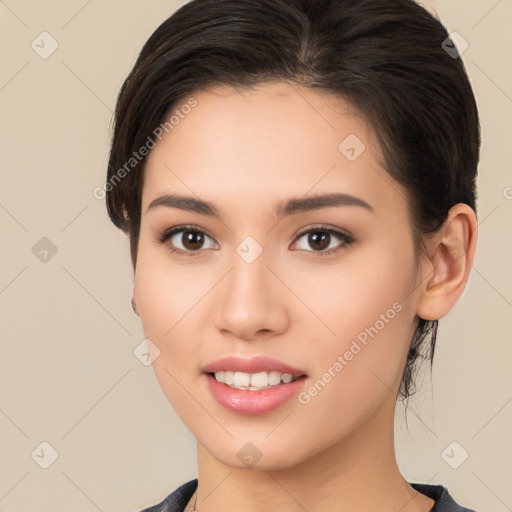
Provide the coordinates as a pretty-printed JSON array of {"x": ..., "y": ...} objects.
[
  {"x": 253, "y": 381},
  {"x": 253, "y": 386}
]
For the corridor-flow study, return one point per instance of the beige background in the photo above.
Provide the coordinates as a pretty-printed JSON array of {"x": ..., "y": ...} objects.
[{"x": 68, "y": 373}]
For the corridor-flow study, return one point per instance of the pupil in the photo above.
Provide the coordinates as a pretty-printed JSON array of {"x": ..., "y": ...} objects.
[
  {"x": 193, "y": 240},
  {"x": 320, "y": 239}
]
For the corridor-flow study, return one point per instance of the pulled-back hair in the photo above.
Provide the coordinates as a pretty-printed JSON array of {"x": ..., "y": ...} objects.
[{"x": 386, "y": 57}]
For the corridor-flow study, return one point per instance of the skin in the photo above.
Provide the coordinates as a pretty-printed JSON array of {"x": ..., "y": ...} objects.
[{"x": 246, "y": 151}]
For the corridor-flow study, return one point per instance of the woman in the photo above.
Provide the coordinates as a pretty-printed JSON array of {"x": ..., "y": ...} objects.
[{"x": 297, "y": 179}]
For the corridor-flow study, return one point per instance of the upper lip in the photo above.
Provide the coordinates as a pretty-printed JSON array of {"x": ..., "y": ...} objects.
[{"x": 251, "y": 365}]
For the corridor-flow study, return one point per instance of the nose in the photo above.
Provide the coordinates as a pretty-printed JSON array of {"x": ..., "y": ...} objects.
[{"x": 252, "y": 301}]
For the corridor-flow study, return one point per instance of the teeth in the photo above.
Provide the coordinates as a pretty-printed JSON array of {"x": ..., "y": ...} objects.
[
  {"x": 286, "y": 378},
  {"x": 274, "y": 378},
  {"x": 259, "y": 380},
  {"x": 252, "y": 381},
  {"x": 242, "y": 379}
]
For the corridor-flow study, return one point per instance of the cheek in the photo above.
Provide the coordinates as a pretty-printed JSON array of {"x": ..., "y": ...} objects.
[
  {"x": 165, "y": 296},
  {"x": 366, "y": 319},
  {"x": 164, "y": 291},
  {"x": 353, "y": 294}
]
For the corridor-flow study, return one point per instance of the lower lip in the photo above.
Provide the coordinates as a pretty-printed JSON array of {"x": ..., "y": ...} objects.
[{"x": 253, "y": 402}]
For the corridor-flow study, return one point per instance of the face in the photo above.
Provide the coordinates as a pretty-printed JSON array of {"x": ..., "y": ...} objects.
[{"x": 293, "y": 258}]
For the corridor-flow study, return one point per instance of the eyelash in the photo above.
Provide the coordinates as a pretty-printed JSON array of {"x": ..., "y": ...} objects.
[{"x": 169, "y": 233}]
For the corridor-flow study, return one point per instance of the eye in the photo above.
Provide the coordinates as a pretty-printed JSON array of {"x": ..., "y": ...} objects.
[
  {"x": 322, "y": 238},
  {"x": 190, "y": 240},
  {"x": 186, "y": 240}
]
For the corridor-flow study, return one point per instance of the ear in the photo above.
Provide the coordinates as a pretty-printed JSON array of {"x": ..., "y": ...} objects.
[
  {"x": 134, "y": 305},
  {"x": 446, "y": 270}
]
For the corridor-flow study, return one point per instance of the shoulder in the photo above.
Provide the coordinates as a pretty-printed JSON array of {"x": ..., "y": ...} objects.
[
  {"x": 440, "y": 494},
  {"x": 177, "y": 500}
]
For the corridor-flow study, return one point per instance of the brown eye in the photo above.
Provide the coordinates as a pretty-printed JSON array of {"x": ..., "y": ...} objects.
[
  {"x": 185, "y": 240},
  {"x": 321, "y": 238},
  {"x": 192, "y": 240}
]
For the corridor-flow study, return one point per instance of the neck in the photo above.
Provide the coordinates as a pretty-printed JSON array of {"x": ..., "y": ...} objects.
[{"x": 358, "y": 473}]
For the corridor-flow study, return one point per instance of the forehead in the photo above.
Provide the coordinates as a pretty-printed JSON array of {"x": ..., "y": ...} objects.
[{"x": 275, "y": 137}]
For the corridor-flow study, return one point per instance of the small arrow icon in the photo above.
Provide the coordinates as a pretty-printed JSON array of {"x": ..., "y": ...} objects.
[
  {"x": 44, "y": 250},
  {"x": 44, "y": 45},
  {"x": 249, "y": 454},
  {"x": 44, "y": 455},
  {"x": 146, "y": 352},
  {"x": 455, "y": 45},
  {"x": 454, "y": 455},
  {"x": 249, "y": 249},
  {"x": 351, "y": 147}
]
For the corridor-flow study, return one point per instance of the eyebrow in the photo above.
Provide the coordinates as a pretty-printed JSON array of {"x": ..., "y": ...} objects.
[{"x": 283, "y": 209}]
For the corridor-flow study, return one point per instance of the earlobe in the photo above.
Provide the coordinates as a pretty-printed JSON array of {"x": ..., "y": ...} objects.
[
  {"x": 134, "y": 307},
  {"x": 451, "y": 254}
]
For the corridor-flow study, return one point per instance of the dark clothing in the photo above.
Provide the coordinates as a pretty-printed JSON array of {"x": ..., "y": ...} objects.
[{"x": 177, "y": 500}]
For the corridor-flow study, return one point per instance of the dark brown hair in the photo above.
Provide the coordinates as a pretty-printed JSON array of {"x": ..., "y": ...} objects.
[{"x": 386, "y": 57}]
